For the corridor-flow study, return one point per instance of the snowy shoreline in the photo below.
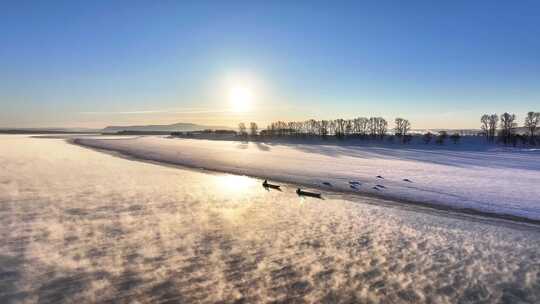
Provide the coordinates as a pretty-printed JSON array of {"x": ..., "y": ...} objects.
[{"x": 442, "y": 181}]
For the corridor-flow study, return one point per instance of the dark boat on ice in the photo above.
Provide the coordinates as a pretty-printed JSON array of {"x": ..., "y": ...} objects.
[
  {"x": 266, "y": 184},
  {"x": 307, "y": 193}
]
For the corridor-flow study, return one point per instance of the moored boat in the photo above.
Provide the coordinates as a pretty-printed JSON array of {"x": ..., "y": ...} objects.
[
  {"x": 307, "y": 193},
  {"x": 266, "y": 184}
]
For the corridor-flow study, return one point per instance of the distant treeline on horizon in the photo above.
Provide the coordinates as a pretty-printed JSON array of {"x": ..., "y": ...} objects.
[{"x": 494, "y": 128}]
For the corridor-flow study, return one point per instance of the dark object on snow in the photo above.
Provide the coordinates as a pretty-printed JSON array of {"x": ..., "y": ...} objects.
[
  {"x": 407, "y": 180},
  {"x": 327, "y": 184},
  {"x": 380, "y": 186},
  {"x": 353, "y": 187},
  {"x": 268, "y": 185},
  {"x": 376, "y": 188},
  {"x": 378, "y": 176},
  {"x": 354, "y": 183},
  {"x": 306, "y": 193}
]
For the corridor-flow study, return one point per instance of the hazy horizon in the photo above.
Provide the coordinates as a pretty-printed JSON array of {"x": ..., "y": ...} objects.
[
  {"x": 234, "y": 127},
  {"x": 96, "y": 64}
]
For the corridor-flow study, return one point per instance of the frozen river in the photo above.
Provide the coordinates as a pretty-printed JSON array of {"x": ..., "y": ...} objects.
[{"x": 77, "y": 225}]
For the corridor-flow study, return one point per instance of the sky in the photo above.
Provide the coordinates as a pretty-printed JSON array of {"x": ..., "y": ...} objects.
[{"x": 98, "y": 63}]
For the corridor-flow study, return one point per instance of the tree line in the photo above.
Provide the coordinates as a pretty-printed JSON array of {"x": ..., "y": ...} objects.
[
  {"x": 494, "y": 128},
  {"x": 503, "y": 128},
  {"x": 360, "y": 127}
]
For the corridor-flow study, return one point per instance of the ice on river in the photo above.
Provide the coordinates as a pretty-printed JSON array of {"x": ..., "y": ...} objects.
[
  {"x": 82, "y": 226},
  {"x": 499, "y": 182}
]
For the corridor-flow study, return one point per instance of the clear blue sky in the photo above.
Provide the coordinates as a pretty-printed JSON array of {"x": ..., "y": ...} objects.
[{"x": 96, "y": 63}]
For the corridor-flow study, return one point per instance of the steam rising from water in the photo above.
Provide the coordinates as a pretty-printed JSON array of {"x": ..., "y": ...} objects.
[{"x": 78, "y": 225}]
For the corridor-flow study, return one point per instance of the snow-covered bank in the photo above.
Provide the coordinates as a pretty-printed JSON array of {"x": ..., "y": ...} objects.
[{"x": 490, "y": 181}]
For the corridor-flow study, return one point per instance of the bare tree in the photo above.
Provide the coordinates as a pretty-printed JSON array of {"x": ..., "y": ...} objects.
[
  {"x": 298, "y": 127},
  {"x": 332, "y": 127},
  {"x": 242, "y": 129},
  {"x": 406, "y": 127},
  {"x": 309, "y": 127},
  {"x": 348, "y": 127},
  {"x": 340, "y": 127},
  {"x": 356, "y": 126},
  {"x": 493, "y": 120},
  {"x": 361, "y": 126},
  {"x": 283, "y": 128},
  {"x": 485, "y": 125},
  {"x": 531, "y": 123},
  {"x": 383, "y": 127},
  {"x": 402, "y": 127},
  {"x": 377, "y": 127},
  {"x": 372, "y": 126},
  {"x": 323, "y": 130},
  {"x": 253, "y": 129},
  {"x": 397, "y": 129},
  {"x": 508, "y": 127}
]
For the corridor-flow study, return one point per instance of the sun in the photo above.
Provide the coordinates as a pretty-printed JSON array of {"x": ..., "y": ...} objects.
[{"x": 240, "y": 98}]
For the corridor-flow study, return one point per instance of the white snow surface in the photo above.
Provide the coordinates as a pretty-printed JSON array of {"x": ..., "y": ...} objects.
[
  {"x": 496, "y": 181},
  {"x": 80, "y": 226}
]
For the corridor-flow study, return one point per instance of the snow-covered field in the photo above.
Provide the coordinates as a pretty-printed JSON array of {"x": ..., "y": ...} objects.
[
  {"x": 80, "y": 226},
  {"x": 498, "y": 181}
]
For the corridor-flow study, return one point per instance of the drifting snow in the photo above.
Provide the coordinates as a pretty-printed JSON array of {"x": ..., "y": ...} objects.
[
  {"x": 501, "y": 182},
  {"x": 79, "y": 226}
]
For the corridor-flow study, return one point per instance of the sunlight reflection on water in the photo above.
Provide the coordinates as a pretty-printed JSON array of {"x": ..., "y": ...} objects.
[{"x": 234, "y": 184}]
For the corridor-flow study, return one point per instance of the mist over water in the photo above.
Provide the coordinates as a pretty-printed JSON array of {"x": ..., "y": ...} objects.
[{"x": 81, "y": 226}]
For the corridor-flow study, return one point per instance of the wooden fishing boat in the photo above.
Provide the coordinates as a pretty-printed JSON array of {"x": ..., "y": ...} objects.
[
  {"x": 266, "y": 184},
  {"x": 307, "y": 193}
]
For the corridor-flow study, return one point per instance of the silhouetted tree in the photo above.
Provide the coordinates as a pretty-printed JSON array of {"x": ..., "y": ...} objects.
[
  {"x": 340, "y": 127},
  {"x": 493, "y": 120},
  {"x": 531, "y": 123},
  {"x": 372, "y": 126},
  {"x": 323, "y": 128},
  {"x": 349, "y": 127},
  {"x": 242, "y": 129},
  {"x": 331, "y": 127},
  {"x": 253, "y": 129},
  {"x": 402, "y": 127},
  {"x": 381, "y": 126},
  {"x": 398, "y": 122},
  {"x": 485, "y": 125},
  {"x": 361, "y": 126},
  {"x": 508, "y": 127},
  {"x": 311, "y": 127}
]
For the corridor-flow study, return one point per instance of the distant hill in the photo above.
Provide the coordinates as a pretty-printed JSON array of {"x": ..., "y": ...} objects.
[{"x": 177, "y": 127}]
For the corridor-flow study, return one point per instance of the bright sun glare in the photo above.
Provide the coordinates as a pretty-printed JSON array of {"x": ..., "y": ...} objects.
[
  {"x": 234, "y": 184},
  {"x": 240, "y": 98}
]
